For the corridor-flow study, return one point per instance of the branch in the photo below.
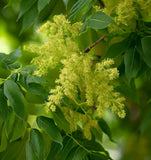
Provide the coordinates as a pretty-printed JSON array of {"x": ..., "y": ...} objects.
[
  {"x": 102, "y": 3},
  {"x": 95, "y": 43}
]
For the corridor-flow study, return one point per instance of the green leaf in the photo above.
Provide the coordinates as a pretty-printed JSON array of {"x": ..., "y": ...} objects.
[
  {"x": 14, "y": 66},
  {"x": 99, "y": 20},
  {"x": 98, "y": 156},
  {"x": 19, "y": 130},
  {"x": 29, "y": 152},
  {"x": 14, "y": 95},
  {"x": 132, "y": 63},
  {"x": 15, "y": 150},
  {"x": 29, "y": 18},
  {"x": 117, "y": 48},
  {"x": 22, "y": 79},
  {"x": 105, "y": 128},
  {"x": 65, "y": 3},
  {"x": 35, "y": 79},
  {"x": 50, "y": 128},
  {"x": 146, "y": 46},
  {"x": 145, "y": 122},
  {"x": 25, "y": 5},
  {"x": 12, "y": 57},
  {"x": 92, "y": 145},
  {"x": 129, "y": 91},
  {"x": 97, "y": 134},
  {"x": 60, "y": 120},
  {"x": 10, "y": 2},
  {"x": 10, "y": 121},
  {"x": 3, "y": 105},
  {"x": 77, "y": 153},
  {"x": 54, "y": 150},
  {"x": 79, "y": 5},
  {"x": 68, "y": 143},
  {"x": 36, "y": 89},
  {"x": 3, "y": 141},
  {"x": 42, "y": 4},
  {"x": 38, "y": 144}
]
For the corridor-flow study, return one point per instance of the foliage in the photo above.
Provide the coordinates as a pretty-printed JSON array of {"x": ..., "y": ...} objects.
[{"x": 84, "y": 59}]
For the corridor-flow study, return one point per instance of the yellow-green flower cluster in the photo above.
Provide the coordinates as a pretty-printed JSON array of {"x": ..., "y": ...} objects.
[
  {"x": 92, "y": 82},
  {"x": 126, "y": 13},
  {"x": 59, "y": 41},
  {"x": 88, "y": 84}
]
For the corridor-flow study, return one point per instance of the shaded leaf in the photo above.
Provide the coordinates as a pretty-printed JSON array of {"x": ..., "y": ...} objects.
[
  {"x": 10, "y": 122},
  {"x": 117, "y": 48},
  {"x": 146, "y": 46},
  {"x": 37, "y": 142},
  {"x": 145, "y": 122},
  {"x": 14, "y": 151},
  {"x": 42, "y": 4},
  {"x": 77, "y": 153},
  {"x": 29, "y": 18},
  {"x": 54, "y": 150},
  {"x": 3, "y": 105},
  {"x": 30, "y": 155},
  {"x": 60, "y": 120},
  {"x": 25, "y": 6},
  {"x": 132, "y": 63},
  {"x": 3, "y": 142},
  {"x": 68, "y": 143},
  {"x": 18, "y": 130},
  {"x": 50, "y": 128},
  {"x": 105, "y": 128}
]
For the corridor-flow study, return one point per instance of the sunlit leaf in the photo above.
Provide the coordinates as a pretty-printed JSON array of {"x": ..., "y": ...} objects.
[{"x": 99, "y": 20}]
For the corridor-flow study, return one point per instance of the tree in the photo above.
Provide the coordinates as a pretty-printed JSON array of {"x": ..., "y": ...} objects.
[{"x": 86, "y": 74}]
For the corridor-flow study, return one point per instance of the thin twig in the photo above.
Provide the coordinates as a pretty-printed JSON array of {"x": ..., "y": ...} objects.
[
  {"x": 95, "y": 43},
  {"x": 102, "y": 3}
]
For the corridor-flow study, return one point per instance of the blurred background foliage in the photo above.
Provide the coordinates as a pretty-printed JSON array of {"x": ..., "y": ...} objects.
[{"x": 132, "y": 135}]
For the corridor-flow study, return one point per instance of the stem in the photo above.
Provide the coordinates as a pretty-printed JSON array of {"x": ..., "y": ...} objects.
[
  {"x": 94, "y": 106},
  {"x": 95, "y": 43},
  {"x": 102, "y": 3}
]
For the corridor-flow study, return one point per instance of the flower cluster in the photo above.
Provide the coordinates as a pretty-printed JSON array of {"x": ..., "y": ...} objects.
[
  {"x": 126, "y": 13},
  {"x": 59, "y": 41},
  {"x": 89, "y": 84}
]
